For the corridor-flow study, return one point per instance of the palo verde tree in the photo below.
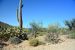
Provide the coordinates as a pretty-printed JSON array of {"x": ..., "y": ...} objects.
[
  {"x": 19, "y": 15},
  {"x": 35, "y": 27},
  {"x": 70, "y": 24}
]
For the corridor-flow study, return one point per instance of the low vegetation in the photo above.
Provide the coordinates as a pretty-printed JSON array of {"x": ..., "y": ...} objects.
[
  {"x": 71, "y": 28},
  {"x": 52, "y": 37},
  {"x": 6, "y": 33},
  {"x": 14, "y": 40},
  {"x": 71, "y": 35},
  {"x": 35, "y": 42},
  {"x": 52, "y": 33}
]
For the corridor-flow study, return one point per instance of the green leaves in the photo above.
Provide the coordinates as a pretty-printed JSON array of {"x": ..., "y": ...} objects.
[
  {"x": 53, "y": 28},
  {"x": 35, "y": 27},
  {"x": 70, "y": 24}
]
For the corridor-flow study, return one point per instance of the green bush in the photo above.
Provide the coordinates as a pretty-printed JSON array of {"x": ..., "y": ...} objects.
[
  {"x": 6, "y": 33},
  {"x": 14, "y": 40},
  {"x": 23, "y": 36},
  {"x": 35, "y": 42},
  {"x": 35, "y": 27},
  {"x": 70, "y": 24},
  {"x": 63, "y": 31},
  {"x": 41, "y": 33},
  {"x": 53, "y": 28},
  {"x": 72, "y": 35},
  {"x": 52, "y": 37}
]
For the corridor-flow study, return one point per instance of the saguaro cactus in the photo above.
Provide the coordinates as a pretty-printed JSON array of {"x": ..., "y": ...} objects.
[{"x": 19, "y": 15}]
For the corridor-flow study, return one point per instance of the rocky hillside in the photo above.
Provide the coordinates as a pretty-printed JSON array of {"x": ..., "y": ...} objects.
[{"x": 4, "y": 25}]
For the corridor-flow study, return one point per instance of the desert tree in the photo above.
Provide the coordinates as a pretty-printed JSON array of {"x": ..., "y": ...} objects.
[{"x": 70, "y": 24}]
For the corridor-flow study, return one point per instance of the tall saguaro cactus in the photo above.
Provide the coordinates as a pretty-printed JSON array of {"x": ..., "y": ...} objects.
[{"x": 19, "y": 15}]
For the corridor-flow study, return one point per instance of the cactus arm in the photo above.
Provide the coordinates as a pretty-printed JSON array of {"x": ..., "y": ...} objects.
[{"x": 17, "y": 15}]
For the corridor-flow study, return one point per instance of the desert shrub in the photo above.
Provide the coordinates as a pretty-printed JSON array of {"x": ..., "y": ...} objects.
[
  {"x": 53, "y": 28},
  {"x": 23, "y": 36},
  {"x": 41, "y": 33},
  {"x": 14, "y": 40},
  {"x": 4, "y": 36},
  {"x": 63, "y": 31},
  {"x": 52, "y": 37},
  {"x": 70, "y": 24},
  {"x": 35, "y": 27},
  {"x": 25, "y": 30},
  {"x": 53, "y": 34},
  {"x": 35, "y": 42},
  {"x": 6, "y": 33},
  {"x": 71, "y": 34}
]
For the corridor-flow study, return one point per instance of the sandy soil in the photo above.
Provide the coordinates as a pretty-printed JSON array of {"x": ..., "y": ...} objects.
[{"x": 67, "y": 44}]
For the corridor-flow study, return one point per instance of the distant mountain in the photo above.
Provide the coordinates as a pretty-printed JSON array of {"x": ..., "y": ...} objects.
[{"x": 4, "y": 25}]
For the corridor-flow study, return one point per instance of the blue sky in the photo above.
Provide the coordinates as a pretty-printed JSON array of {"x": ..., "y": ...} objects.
[{"x": 45, "y": 11}]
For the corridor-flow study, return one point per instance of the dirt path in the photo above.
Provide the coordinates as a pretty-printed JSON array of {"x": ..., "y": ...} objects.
[{"x": 68, "y": 44}]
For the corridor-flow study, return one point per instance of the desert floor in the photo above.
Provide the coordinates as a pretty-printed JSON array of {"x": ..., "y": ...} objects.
[{"x": 66, "y": 44}]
